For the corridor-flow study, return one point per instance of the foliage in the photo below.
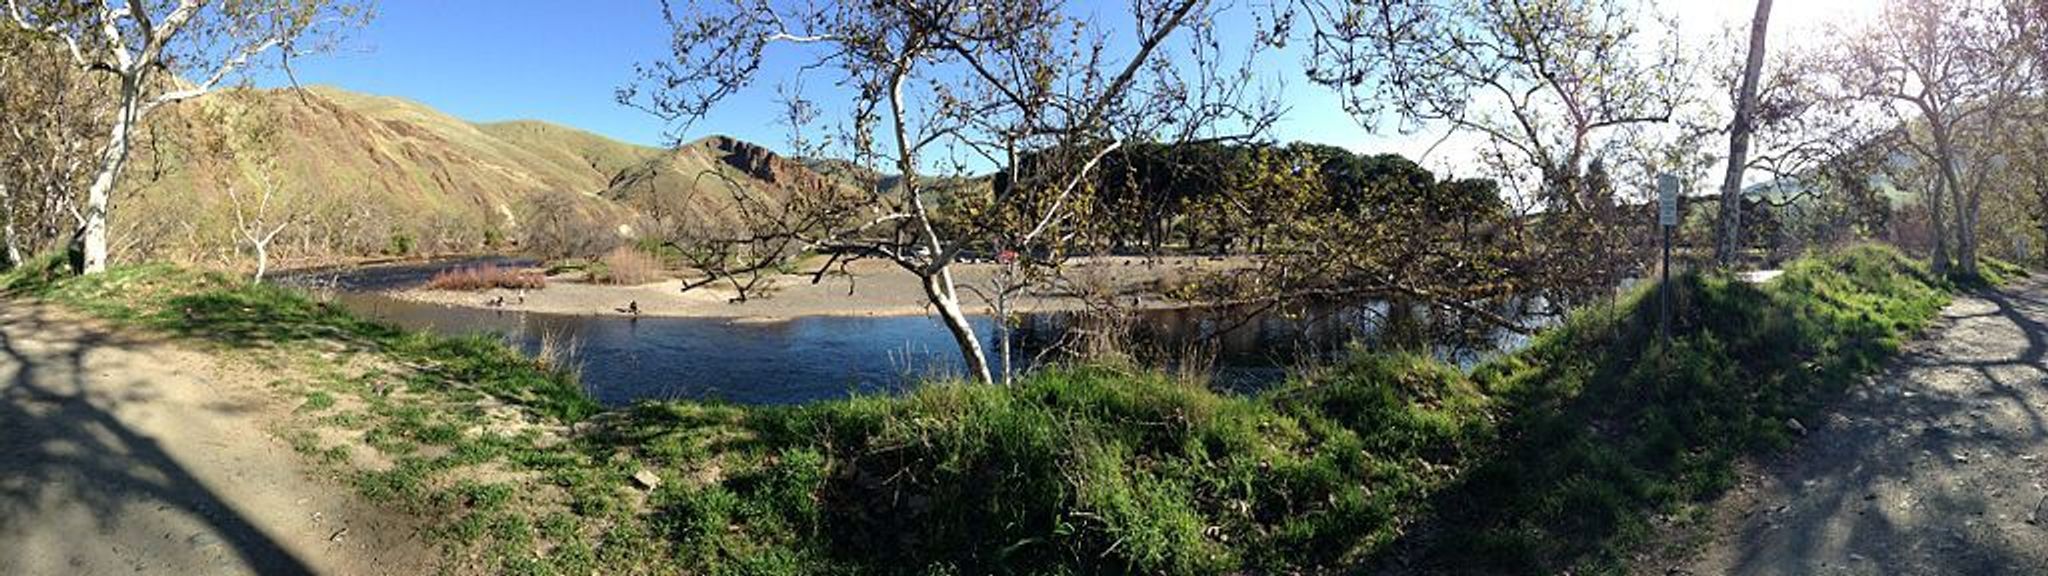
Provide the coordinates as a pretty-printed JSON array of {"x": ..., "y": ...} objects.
[
  {"x": 1951, "y": 73},
  {"x": 626, "y": 266},
  {"x": 559, "y": 226},
  {"x": 1031, "y": 87},
  {"x": 486, "y": 277},
  {"x": 48, "y": 107},
  {"x": 1544, "y": 460},
  {"x": 1613, "y": 424},
  {"x": 146, "y": 48}
]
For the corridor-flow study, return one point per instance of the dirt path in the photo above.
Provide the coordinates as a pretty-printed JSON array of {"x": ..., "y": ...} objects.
[
  {"x": 123, "y": 455},
  {"x": 1940, "y": 466}
]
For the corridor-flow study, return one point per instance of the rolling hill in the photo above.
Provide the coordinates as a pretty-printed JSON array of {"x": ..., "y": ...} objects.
[{"x": 363, "y": 175}]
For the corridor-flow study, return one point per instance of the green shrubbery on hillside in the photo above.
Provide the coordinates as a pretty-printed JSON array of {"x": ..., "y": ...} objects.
[{"x": 1546, "y": 459}]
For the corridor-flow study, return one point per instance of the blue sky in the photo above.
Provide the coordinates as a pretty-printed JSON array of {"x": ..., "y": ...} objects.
[
  {"x": 489, "y": 60},
  {"x": 561, "y": 61}
]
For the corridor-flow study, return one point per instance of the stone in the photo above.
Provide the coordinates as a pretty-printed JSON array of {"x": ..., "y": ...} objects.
[{"x": 647, "y": 480}]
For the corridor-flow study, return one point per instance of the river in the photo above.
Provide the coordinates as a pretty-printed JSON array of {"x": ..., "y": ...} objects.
[{"x": 623, "y": 360}]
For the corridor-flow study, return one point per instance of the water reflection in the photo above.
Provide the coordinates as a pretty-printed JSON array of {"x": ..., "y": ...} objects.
[{"x": 811, "y": 358}]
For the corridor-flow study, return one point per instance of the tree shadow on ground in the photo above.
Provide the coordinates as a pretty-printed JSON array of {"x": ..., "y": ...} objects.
[
  {"x": 63, "y": 446},
  {"x": 1584, "y": 475},
  {"x": 1921, "y": 474}
]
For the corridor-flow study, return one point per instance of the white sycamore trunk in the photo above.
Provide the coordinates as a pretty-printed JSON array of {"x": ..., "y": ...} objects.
[
  {"x": 7, "y": 235},
  {"x": 939, "y": 288},
  {"x": 92, "y": 235}
]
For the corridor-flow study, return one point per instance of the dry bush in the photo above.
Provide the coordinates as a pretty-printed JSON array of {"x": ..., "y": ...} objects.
[
  {"x": 486, "y": 277},
  {"x": 560, "y": 351},
  {"x": 626, "y": 266}
]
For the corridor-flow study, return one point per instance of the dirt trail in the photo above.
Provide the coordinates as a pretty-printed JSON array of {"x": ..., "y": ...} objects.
[
  {"x": 121, "y": 454},
  {"x": 1939, "y": 466}
]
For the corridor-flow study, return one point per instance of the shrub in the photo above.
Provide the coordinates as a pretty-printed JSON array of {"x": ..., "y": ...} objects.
[
  {"x": 626, "y": 266},
  {"x": 401, "y": 243},
  {"x": 486, "y": 277}
]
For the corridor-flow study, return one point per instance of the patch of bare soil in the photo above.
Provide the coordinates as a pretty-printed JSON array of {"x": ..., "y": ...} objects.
[
  {"x": 121, "y": 453},
  {"x": 1940, "y": 466}
]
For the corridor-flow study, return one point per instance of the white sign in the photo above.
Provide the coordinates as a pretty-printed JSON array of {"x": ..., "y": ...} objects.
[{"x": 1667, "y": 200}]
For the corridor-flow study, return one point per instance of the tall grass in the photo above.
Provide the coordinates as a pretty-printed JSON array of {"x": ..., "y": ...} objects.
[{"x": 559, "y": 351}]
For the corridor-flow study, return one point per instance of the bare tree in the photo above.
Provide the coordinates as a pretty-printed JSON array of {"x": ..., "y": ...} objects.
[
  {"x": 131, "y": 43},
  {"x": 48, "y": 129},
  {"x": 1944, "y": 67},
  {"x": 1021, "y": 88},
  {"x": 1738, "y": 138},
  {"x": 1549, "y": 86},
  {"x": 245, "y": 134}
]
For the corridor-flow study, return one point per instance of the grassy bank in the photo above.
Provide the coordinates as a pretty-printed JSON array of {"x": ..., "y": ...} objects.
[{"x": 1548, "y": 459}]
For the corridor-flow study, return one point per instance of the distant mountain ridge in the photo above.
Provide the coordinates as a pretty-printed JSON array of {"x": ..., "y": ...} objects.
[{"x": 366, "y": 174}]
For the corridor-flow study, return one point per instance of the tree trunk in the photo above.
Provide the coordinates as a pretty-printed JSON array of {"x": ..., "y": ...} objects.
[
  {"x": 1966, "y": 236},
  {"x": 1004, "y": 278},
  {"x": 1730, "y": 246},
  {"x": 262, "y": 260},
  {"x": 92, "y": 237},
  {"x": 1939, "y": 260},
  {"x": 1952, "y": 189},
  {"x": 12, "y": 249},
  {"x": 939, "y": 288}
]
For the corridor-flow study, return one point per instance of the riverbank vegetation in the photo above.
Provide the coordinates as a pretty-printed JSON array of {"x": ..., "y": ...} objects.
[
  {"x": 1550, "y": 458},
  {"x": 486, "y": 277}
]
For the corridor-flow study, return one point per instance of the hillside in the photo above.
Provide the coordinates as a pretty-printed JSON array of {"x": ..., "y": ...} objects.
[
  {"x": 364, "y": 175},
  {"x": 693, "y": 184}
]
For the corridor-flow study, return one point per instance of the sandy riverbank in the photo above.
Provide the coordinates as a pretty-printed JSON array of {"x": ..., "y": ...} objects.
[{"x": 872, "y": 288}]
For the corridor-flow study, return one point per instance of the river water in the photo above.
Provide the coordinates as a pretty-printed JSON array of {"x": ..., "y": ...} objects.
[{"x": 805, "y": 359}]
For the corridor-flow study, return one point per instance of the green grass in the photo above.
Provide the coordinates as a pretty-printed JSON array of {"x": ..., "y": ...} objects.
[
  {"x": 236, "y": 315},
  {"x": 1548, "y": 460}
]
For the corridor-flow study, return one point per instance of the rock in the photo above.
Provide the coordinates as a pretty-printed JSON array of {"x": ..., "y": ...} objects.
[
  {"x": 647, "y": 480},
  {"x": 1794, "y": 425},
  {"x": 1837, "y": 421}
]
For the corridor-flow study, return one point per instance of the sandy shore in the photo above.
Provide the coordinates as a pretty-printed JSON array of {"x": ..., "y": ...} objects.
[{"x": 873, "y": 288}]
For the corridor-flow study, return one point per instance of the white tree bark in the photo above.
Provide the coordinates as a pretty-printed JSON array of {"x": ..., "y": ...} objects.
[
  {"x": 1730, "y": 246},
  {"x": 130, "y": 44},
  {"x": 92, "y": 235},
  {"x": 939, "y": 288},
  {"x": 7, "y": 234}
]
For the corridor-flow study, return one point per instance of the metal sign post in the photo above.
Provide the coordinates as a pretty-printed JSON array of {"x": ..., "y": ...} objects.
[{"x": 1667, "y": 218}]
